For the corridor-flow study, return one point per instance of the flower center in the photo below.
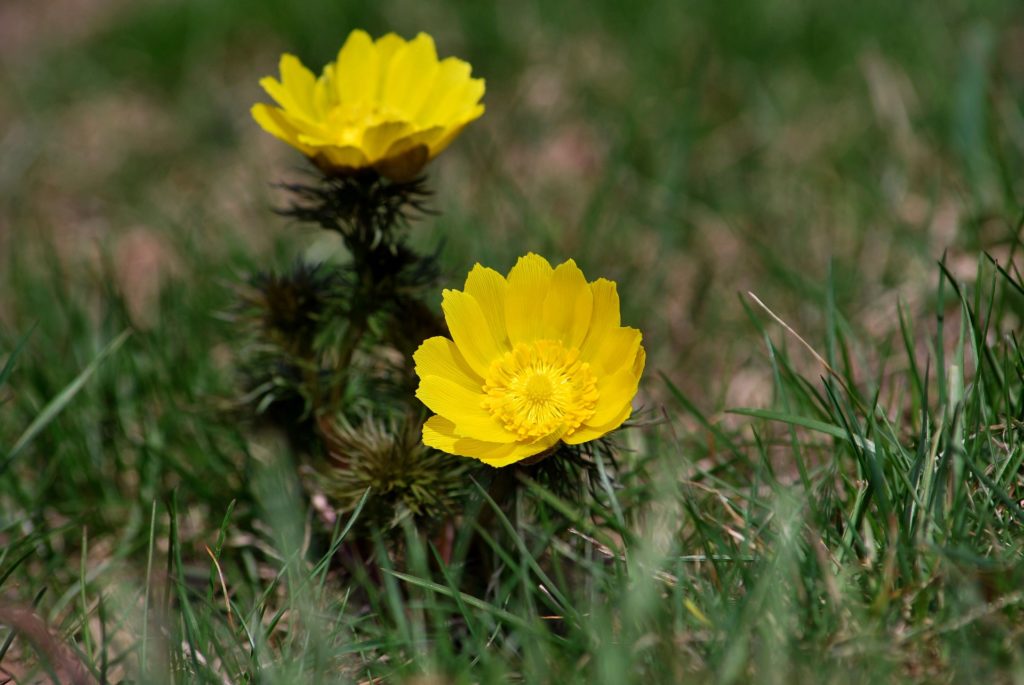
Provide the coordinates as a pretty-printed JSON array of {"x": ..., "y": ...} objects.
[
  {"x": 349, "y": 120},
  {"x": 540, "y": 388}
]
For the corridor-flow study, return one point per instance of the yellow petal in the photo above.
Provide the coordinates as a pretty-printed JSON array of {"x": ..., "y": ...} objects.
[
  {"x": 440, "y": 434},
  {"x": 458, "y": 102},
  {"x": 439, "y": 356},
  {"x": 306, "y": 130},
  {"x": 342, "y": 156},
  {"x": 408, "y": 155},
  {"x": 470, "y": 330},
  {"x": 274, "y": 122},
  {"x": 604, "y": 319},
  {"x": 410, "y": 75},
  {"x": 311, "y": 135},
  {"x": 298, "y": 82},
  {"x": 488, "y": 288},
  {"x": 325, "y": 93},
  {"x": 617, "y": 349},
  {"x": 465, "y": 106},
  {"x": 463, "y": 407},
  {"x": 617, "y": 389},
  {"x": 453, "y": 132},
  {"x": 587, "y": 433},
  {"x": 445, "y": 140},
  {"x": 271, "y": 121},
  {"x": 377, "y": 139},
  {"x": 387, "y": 45},
  {"x": 528, "y": 283},
  {"x": 294, "y": 101},
  {"x": 452, "y": 76},
  {"x": 357, "y": 71},
  {"x": 568, "y": 305},
  {"x": 424, "y": 137},
  {"x": 276, "y": 90}
]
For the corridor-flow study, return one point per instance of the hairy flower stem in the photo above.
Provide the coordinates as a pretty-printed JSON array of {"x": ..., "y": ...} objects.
[
  {"x": 357, "y": 326},
  {"x": 368, "y": 302},
  {"x": 370, "y": 214}
]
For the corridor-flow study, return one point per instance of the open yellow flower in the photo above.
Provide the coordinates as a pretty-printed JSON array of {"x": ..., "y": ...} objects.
[
  {"x": 534, "y": 359},
  {"x": 388, "y": 104}
]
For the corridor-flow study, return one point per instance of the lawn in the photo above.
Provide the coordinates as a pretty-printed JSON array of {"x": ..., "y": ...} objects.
[{"x": 814, "y": 212}]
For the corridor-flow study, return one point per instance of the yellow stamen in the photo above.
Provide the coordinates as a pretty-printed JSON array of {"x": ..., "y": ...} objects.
[{"x": 540, "y": 388}]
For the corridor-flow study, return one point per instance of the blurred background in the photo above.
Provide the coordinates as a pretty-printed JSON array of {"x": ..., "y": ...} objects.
[
  {"x": 813, "y": 153},
  {"x": 692, "y": 151}
]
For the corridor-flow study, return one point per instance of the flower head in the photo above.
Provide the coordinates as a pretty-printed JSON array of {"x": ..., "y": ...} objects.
[
  {"x": 388, "y": 104},
  {"x": 387, "y": 457},
  {"x": 534, "y": 359}
]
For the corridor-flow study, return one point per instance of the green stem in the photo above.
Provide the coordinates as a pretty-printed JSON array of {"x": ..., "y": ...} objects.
[
  {"x": 354, "y": 334},
  {"x": 358, "y": 322}
]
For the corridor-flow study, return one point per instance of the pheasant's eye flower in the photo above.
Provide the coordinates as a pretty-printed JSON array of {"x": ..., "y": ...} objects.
[
  {"x": 534, "y": 359},
  {"x": 388, "y": 104}
]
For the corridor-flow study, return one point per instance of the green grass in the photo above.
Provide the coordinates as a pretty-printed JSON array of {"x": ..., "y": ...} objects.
[{"x": 838, "y": 502}]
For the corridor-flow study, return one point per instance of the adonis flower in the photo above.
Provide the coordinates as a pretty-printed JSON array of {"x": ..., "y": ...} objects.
[
  {"x": 388, "y": 104},
  {"x": 534, "y": 359}
]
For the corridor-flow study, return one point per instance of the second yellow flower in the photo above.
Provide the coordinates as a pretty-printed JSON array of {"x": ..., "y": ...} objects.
[{"x": 388, "y": 104}]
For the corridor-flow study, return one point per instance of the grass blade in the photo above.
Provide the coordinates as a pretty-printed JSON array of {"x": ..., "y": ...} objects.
[{"x": 57, "y": 404}]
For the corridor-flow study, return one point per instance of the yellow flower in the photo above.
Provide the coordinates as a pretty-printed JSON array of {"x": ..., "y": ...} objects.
[
  {"x": 387, "y": 104},
  {"x": 534, "y": 359}
]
